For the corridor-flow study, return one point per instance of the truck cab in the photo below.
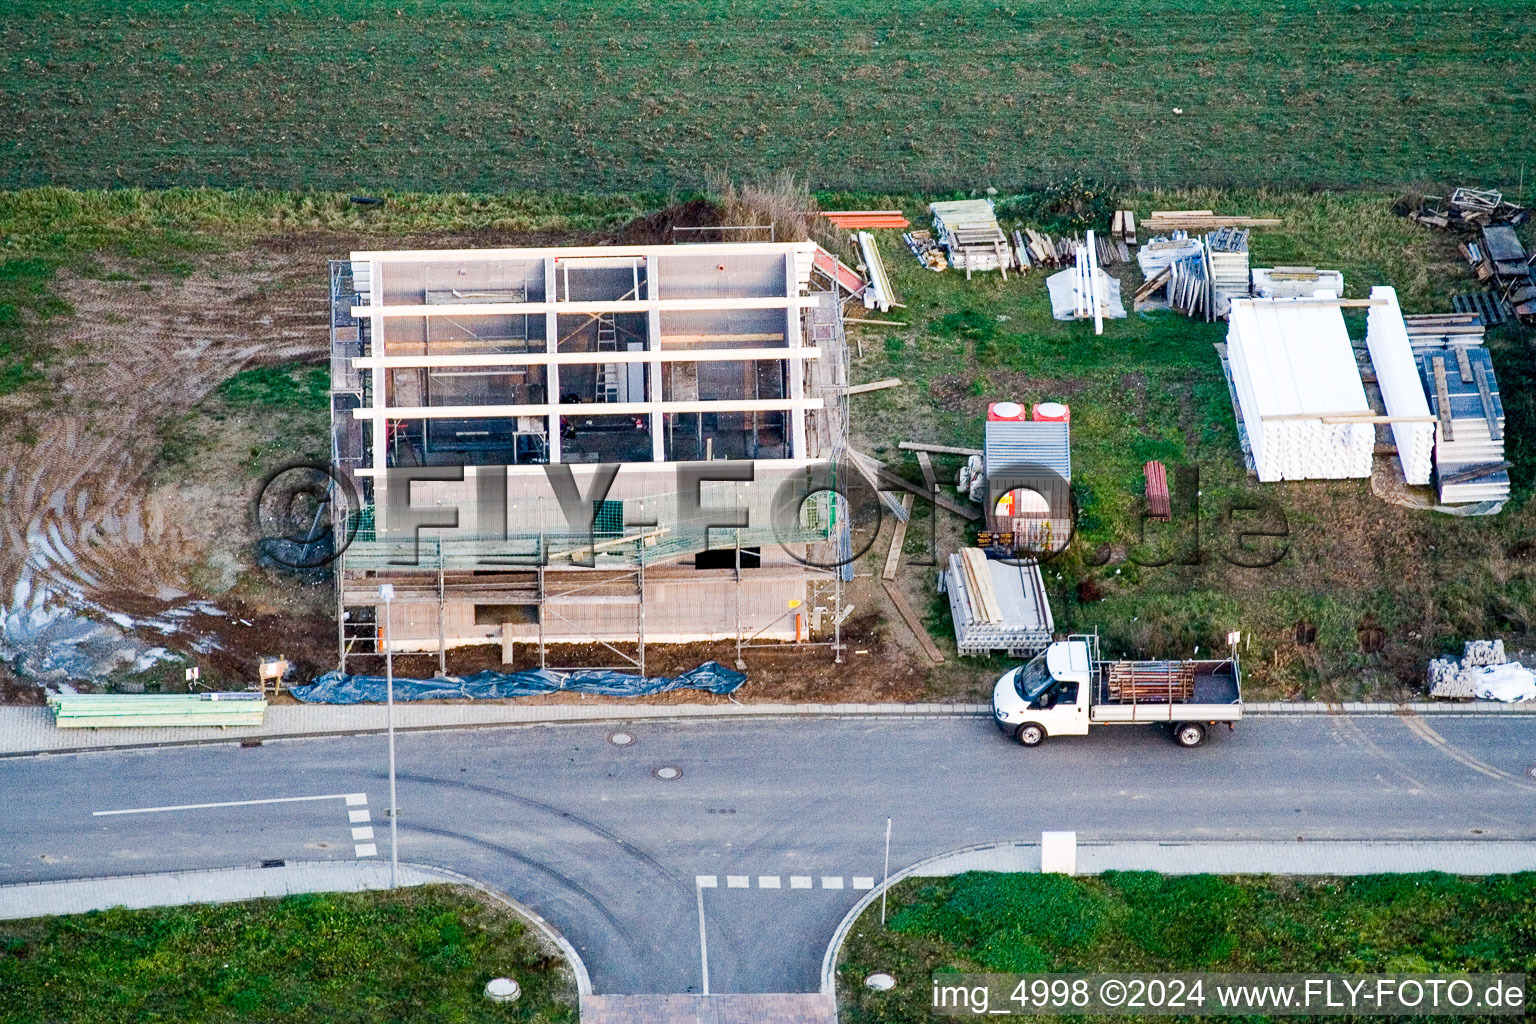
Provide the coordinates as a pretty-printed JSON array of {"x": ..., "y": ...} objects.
[{"x": 1048, "y": 695}]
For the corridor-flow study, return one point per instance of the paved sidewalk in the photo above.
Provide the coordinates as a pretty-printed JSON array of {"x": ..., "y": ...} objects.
[
  {"x": 778, "y": 1008},
  {"x": 30, "y": 730}
]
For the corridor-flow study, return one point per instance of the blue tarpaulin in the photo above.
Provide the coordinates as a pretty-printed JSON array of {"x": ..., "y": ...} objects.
[{"x": 335, "y": 688}]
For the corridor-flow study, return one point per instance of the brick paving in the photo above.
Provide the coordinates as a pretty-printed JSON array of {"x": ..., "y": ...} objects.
[{"x": 777, "y": 1008}]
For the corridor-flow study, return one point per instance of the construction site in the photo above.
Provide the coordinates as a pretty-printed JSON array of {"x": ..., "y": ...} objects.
[{"x": 598, "y": 445}]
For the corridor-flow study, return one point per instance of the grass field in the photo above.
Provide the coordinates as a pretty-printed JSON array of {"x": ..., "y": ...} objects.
[
  {"x": 490, "y": 96},
  {"x": 416, "y": 955},
  {"x": 1138, "y": 921}
]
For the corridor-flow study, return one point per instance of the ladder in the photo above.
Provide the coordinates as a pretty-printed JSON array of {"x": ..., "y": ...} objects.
[{"x": 607, "y": 333}]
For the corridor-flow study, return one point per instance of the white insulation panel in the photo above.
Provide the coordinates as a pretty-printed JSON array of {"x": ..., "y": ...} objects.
[{"x": 1397, "y": 373}]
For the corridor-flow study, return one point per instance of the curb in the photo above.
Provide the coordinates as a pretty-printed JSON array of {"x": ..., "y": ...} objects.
[
  {"x": 558, "y": 714},
  {"x": 1021, "y": 856},
  {"x": 444, "y": 874}
]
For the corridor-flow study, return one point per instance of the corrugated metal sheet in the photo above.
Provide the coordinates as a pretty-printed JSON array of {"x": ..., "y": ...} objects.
[{"x": 1018, "y": 445}]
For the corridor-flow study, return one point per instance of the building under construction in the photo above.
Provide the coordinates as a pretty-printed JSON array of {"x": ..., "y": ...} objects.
[{"x": 598, "y": 445}]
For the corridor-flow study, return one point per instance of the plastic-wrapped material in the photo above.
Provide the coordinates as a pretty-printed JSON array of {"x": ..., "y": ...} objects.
[{"x": 335, "y": 688}]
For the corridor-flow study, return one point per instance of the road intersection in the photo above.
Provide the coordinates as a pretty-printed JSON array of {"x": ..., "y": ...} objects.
[{"x": 767, "y": 832}]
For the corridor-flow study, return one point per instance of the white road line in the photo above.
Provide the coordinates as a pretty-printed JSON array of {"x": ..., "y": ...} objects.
[
  {"x": 703, "y": 942},
  {"x": 350, "y": 798},
  {"x": 831, "y": 881},
  {"x": 800, "y": 881},
  {"x": 863, "y": 882},
  {"x": 357, "y": 817},
  {"x": 707, "y": 881},
  {"x": 366, "y": 832},
  {"x": 738, "y": 881},
  {"x": 367, "y": 850},
  {"x": 767, "y": 881}
]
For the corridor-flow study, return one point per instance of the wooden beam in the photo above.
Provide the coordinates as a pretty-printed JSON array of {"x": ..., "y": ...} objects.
[
  {"x": 870, "y": 468},
  {"x": 879, "y": 385},
  {"x": 1462, "y": 476},
  {"x": 930, "y": 478},
  {"x": 1442, "y": 398},
  {"x": 937, "y": 449},
  {"x": 913, "y": 623},
  {"x": 470, "y": 412},
  {"x": 898, "y": 540},
  {"x": 887, "y": 477},
  {"x": 577, "y": 358},
  {"x": 451, "y": 309},
  {"x": 882, "y": 323},
  {"x": 1265, "y": 303}
]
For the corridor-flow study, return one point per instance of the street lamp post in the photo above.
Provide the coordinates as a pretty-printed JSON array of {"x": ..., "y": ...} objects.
[{"x": 387, "y": 595}]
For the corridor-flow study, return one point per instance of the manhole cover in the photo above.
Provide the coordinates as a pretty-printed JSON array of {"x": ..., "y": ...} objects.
[
  {"x": 880, "y": 982},
  {"x": 668, "y": 773},
  {"x": 1477, "y": 831},
  {"x": 1533, "y": 771},
  {"x": 621, "y": 739}
]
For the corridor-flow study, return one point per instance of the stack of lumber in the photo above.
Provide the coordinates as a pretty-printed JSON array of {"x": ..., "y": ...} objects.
[
  {"x": 1144, "y": 681},
  {"x": 854, "y": 219},
  {"x": 105, "y": 711},
  {"x": 997, "y": 606},
  {"x": 1402, "y": 391},
  {"x": 1301, "y": 399},
  {"x": 1122, "y": 227},
  {"x": 1163, "y": 221},
  {"x": 1159, "y": 504},
  {"x": 969, "y": 231},
  {"x": 1468, "y": 209},
  {"x": 979, "y": 592},
  {"x": 1463, "y": 395},
  {"x": 1295, "y": 282},
  {"x": 1436, "y": 330},
  {"x": 879, "y": 294}
]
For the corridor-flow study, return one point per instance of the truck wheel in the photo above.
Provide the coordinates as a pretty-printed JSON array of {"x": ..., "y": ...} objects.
[
  {"x": 1030, "y": 734},
  {"x": 1189, "y": 734}
]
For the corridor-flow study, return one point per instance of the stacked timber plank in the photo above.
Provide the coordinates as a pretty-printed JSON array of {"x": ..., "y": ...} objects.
[
  {"x": 854, "y": 219},
  {"x": 1500, "y": 261},
  {"x": 1463, "y": 395},
  {"x": 1159, "y": 504},
  {"x": 105, "y": 711},
  {"x": 1122, "y": 227},
  {"x": 928, "y": 252},
  {"x": 1296, "y": 282},
  {"x": 1437, "y": 330},
  {"x": 1402, "y": 391},
  {"x": 1301, "y": 399},
  {"x": 1137, "y": 682},
  {"x": 997, "y": 606},
  {"x": 969, "y": 231},
  {"x": 1163, "y": 221}
]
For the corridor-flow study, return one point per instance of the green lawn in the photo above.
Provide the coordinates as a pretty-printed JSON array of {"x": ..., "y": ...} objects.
[
  {"x": 489, "y": 95},
  {"x": 416, "y": 955},
  {"x": 1139, "y": 921}
]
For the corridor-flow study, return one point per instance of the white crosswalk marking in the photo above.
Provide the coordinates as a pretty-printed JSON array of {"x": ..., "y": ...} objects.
[
  {"x": 366, "y": 832},
  {"x": 357, "y": 799},
  {"x": 738, "y": 882},
  {"x": 767, "y": 881},
  {"x": 707, "y": 881},
  {"x": 831, "y": 881},
  {"x": 358, "y": 817},
  {"x": 799, "y": 881},
  {"x": 863, "y": 882},
  {"x": 367, "y": 850}
]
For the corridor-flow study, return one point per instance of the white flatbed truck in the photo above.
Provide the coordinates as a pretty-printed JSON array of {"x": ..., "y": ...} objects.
[{"x": 1067, "y": 689}]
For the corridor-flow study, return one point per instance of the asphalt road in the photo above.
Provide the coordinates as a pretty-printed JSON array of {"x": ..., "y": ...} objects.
[{"x": 586, "y": 833}]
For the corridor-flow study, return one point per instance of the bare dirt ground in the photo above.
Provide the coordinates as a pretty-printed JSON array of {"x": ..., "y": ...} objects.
[{"x": 86, "y": 525}]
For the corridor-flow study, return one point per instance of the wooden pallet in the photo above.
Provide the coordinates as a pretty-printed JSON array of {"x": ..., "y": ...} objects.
[{"x": 1488, "y": 306}]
